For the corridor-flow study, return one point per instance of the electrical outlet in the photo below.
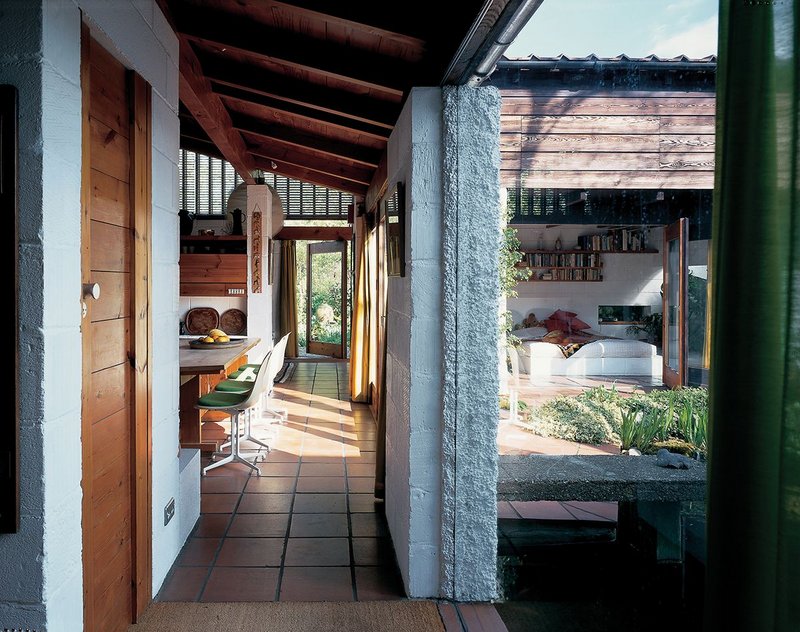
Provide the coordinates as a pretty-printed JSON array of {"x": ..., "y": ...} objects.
[{"x": 169, "y": 511}]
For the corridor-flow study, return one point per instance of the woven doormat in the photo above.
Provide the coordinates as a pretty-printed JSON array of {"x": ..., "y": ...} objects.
[
  {"x": 362, "y": 616},
  {"x": 286, "y": 372}
]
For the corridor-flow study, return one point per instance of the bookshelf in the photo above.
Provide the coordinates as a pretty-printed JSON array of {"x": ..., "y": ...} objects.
[{"x": 563, "y": 266}]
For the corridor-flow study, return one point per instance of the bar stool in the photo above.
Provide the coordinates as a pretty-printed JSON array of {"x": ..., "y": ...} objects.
[
  {"x": 248, "y": 372},
  {"x": 236, "y": 405}
]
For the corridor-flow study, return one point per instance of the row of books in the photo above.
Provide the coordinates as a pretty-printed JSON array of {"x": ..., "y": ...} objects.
[
  {"x": 565, "y": 274},
  {"x": 622, "y": 240},
  {"x": 562, "y": 260}
]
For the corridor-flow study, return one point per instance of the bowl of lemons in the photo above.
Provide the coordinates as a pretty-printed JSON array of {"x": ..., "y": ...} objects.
[{"x": 213, "y": 339}]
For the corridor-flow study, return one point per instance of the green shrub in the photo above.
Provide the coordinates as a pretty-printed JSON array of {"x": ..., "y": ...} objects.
[
  {"x": 568, "y": 418},
  {"x": 642, "y": 420}
]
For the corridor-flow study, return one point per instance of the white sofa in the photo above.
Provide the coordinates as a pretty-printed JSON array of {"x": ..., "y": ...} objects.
[{"x": 602, "y": 357}]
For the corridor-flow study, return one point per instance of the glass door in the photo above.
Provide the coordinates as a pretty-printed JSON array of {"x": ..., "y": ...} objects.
[
  {"x": 675, "y": 281},
  {"x": 326, "y": 283}
]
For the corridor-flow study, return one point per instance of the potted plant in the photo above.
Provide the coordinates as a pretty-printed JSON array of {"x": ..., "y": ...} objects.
[{"x": 650, "y": 325}]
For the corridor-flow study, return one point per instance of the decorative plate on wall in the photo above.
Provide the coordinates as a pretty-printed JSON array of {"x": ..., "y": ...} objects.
[
  {"x": 201, "y": 319},
  {"x": 233, "y": 322}
]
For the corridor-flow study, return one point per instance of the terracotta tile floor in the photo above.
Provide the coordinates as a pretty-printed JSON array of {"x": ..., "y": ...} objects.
[{"x": 308, "y": 529}]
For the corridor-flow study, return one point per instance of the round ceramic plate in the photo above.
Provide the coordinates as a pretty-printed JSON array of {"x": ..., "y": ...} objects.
[
  {"x": 196, "y": 344},
  {"x": 201, "y": 320},
  {"x": 233, "y": 322}
]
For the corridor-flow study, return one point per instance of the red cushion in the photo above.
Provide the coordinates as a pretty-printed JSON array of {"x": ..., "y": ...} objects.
[
  {"x": 577, "y": 323},
  {"x": 555, "y": 325},
  {"x": 560, "y": 314}
]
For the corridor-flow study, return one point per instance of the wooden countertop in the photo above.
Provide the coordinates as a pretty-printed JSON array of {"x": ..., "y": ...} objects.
[{"x": 210, "y": 361}]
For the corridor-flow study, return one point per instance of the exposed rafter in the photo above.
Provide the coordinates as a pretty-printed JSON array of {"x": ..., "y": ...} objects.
[
  {"x": 224, "y": 31},
  {"x": 209, "y": 112},
  {"x": 314, "y": 177},
  {"x": 310, "y": 142},
  {"x": 301, "y": 158},
  {"x": 293, "y": 110},
  {"x": 255, "y": 79},
  {"x": 367, "y": 15}
]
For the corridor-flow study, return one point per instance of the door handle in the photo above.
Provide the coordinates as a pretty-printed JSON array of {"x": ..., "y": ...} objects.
[{"x": 91, "y": 290}]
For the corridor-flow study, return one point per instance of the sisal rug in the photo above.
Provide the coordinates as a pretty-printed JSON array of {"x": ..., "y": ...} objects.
[{"x": 361, "y": 616}]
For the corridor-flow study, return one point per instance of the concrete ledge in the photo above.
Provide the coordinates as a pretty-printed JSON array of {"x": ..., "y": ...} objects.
[{"x": 601, "y": 478}]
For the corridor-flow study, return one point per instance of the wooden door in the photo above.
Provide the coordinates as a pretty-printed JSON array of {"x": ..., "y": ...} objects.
[
  {"x": 115, "y": 335},
  {"x": 326, "y": 278},
  {"x": 675, "y": 303}
]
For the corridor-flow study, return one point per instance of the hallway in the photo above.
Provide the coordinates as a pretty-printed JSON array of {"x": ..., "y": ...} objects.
[{"x": 308, "y": 529}]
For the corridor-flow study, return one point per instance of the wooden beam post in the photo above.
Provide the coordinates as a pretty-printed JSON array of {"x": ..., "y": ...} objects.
[{"x": 210, "y": 113}]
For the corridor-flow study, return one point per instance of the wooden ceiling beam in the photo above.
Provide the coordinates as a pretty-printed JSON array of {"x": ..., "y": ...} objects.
[
  {"x": 260, "y": 81},
  {"x": 370, "y": 16},
  {"x": 209, "y": 112},
  {"x": 301, "y": 112},
  {"x": 309, "y": 142},
  {"x": 223, "y": 31},
  {"x": 300, "y": 158},
  {"x": 380, "y": 22},
  {"x": 316, "y": 233},
  {"x": 314, "y": 177}
]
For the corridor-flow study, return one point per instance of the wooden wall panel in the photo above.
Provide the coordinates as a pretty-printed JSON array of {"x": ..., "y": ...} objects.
[
  {"x": 113, "y": 343},
  {"x": 108, "y": 388},
  {"x": 110, "y": 200},
  {"x": 111, "y": 249},
  {"x": 558, "y": 139},
  {"x": 115, "y": 296},
  {"x": 109, "y": 151}
]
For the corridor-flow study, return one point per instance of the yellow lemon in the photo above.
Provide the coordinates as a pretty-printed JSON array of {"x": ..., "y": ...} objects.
[
  {"x": 223, "y": 339},
  {"x": 208, "y": 339},
  {"x": 216, "y": 333}
]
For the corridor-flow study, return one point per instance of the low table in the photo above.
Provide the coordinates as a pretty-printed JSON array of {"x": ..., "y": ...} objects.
[
  {"x": 200, "y": 368},
  {"x": 649, "y": 492}
]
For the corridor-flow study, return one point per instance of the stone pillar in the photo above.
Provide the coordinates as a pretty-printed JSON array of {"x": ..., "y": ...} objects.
[
  {"x": 471, "y": 293},
  {"x": 442, "y": 331}
]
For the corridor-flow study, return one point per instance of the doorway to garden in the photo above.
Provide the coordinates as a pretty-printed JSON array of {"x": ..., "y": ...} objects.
[{"x": 323, "y": 298}]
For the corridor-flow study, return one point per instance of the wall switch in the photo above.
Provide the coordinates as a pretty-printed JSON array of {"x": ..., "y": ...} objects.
[{"x": 169, "y": 511}]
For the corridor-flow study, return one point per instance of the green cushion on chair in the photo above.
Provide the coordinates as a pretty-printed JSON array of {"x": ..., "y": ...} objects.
[
  {"x": 235, "y": 386},
  {"x": 218, "y": 399}
]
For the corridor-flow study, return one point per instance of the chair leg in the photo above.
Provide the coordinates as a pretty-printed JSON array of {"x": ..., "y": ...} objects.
[
  {"x": 235, "y": 455},
  {"x": 247, "y": 426}
]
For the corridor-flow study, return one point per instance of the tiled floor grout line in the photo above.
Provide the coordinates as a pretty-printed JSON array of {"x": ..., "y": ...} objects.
[
  {"x": 317, "y": 411},
  {"x": 289, "y": 521},
  {"x": 213, "y": 564}
]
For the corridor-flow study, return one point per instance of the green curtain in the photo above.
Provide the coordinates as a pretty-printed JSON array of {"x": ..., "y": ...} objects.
[
  {"x": 288, "y": 297},
  {"x": 753, "y": 580}
]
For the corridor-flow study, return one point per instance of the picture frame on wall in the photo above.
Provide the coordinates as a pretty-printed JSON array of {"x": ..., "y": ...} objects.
[{"x": 395, "y": 217}]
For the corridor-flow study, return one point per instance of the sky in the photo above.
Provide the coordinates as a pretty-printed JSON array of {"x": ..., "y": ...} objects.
[{"x": 638, "y": 28}]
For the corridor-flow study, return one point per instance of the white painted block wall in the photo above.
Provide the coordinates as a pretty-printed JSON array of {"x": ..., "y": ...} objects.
[
  {"x": 628, "y": 279},
  {"x": 41, "y": 583},
  {"x": 413, "y": 436}
]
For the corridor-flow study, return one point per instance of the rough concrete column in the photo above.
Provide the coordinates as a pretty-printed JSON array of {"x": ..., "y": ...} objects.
[{"x": 471, "y": 292}]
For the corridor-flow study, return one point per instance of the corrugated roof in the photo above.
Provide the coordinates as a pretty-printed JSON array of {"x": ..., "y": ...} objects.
[{"x": 619, "y": 58}]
